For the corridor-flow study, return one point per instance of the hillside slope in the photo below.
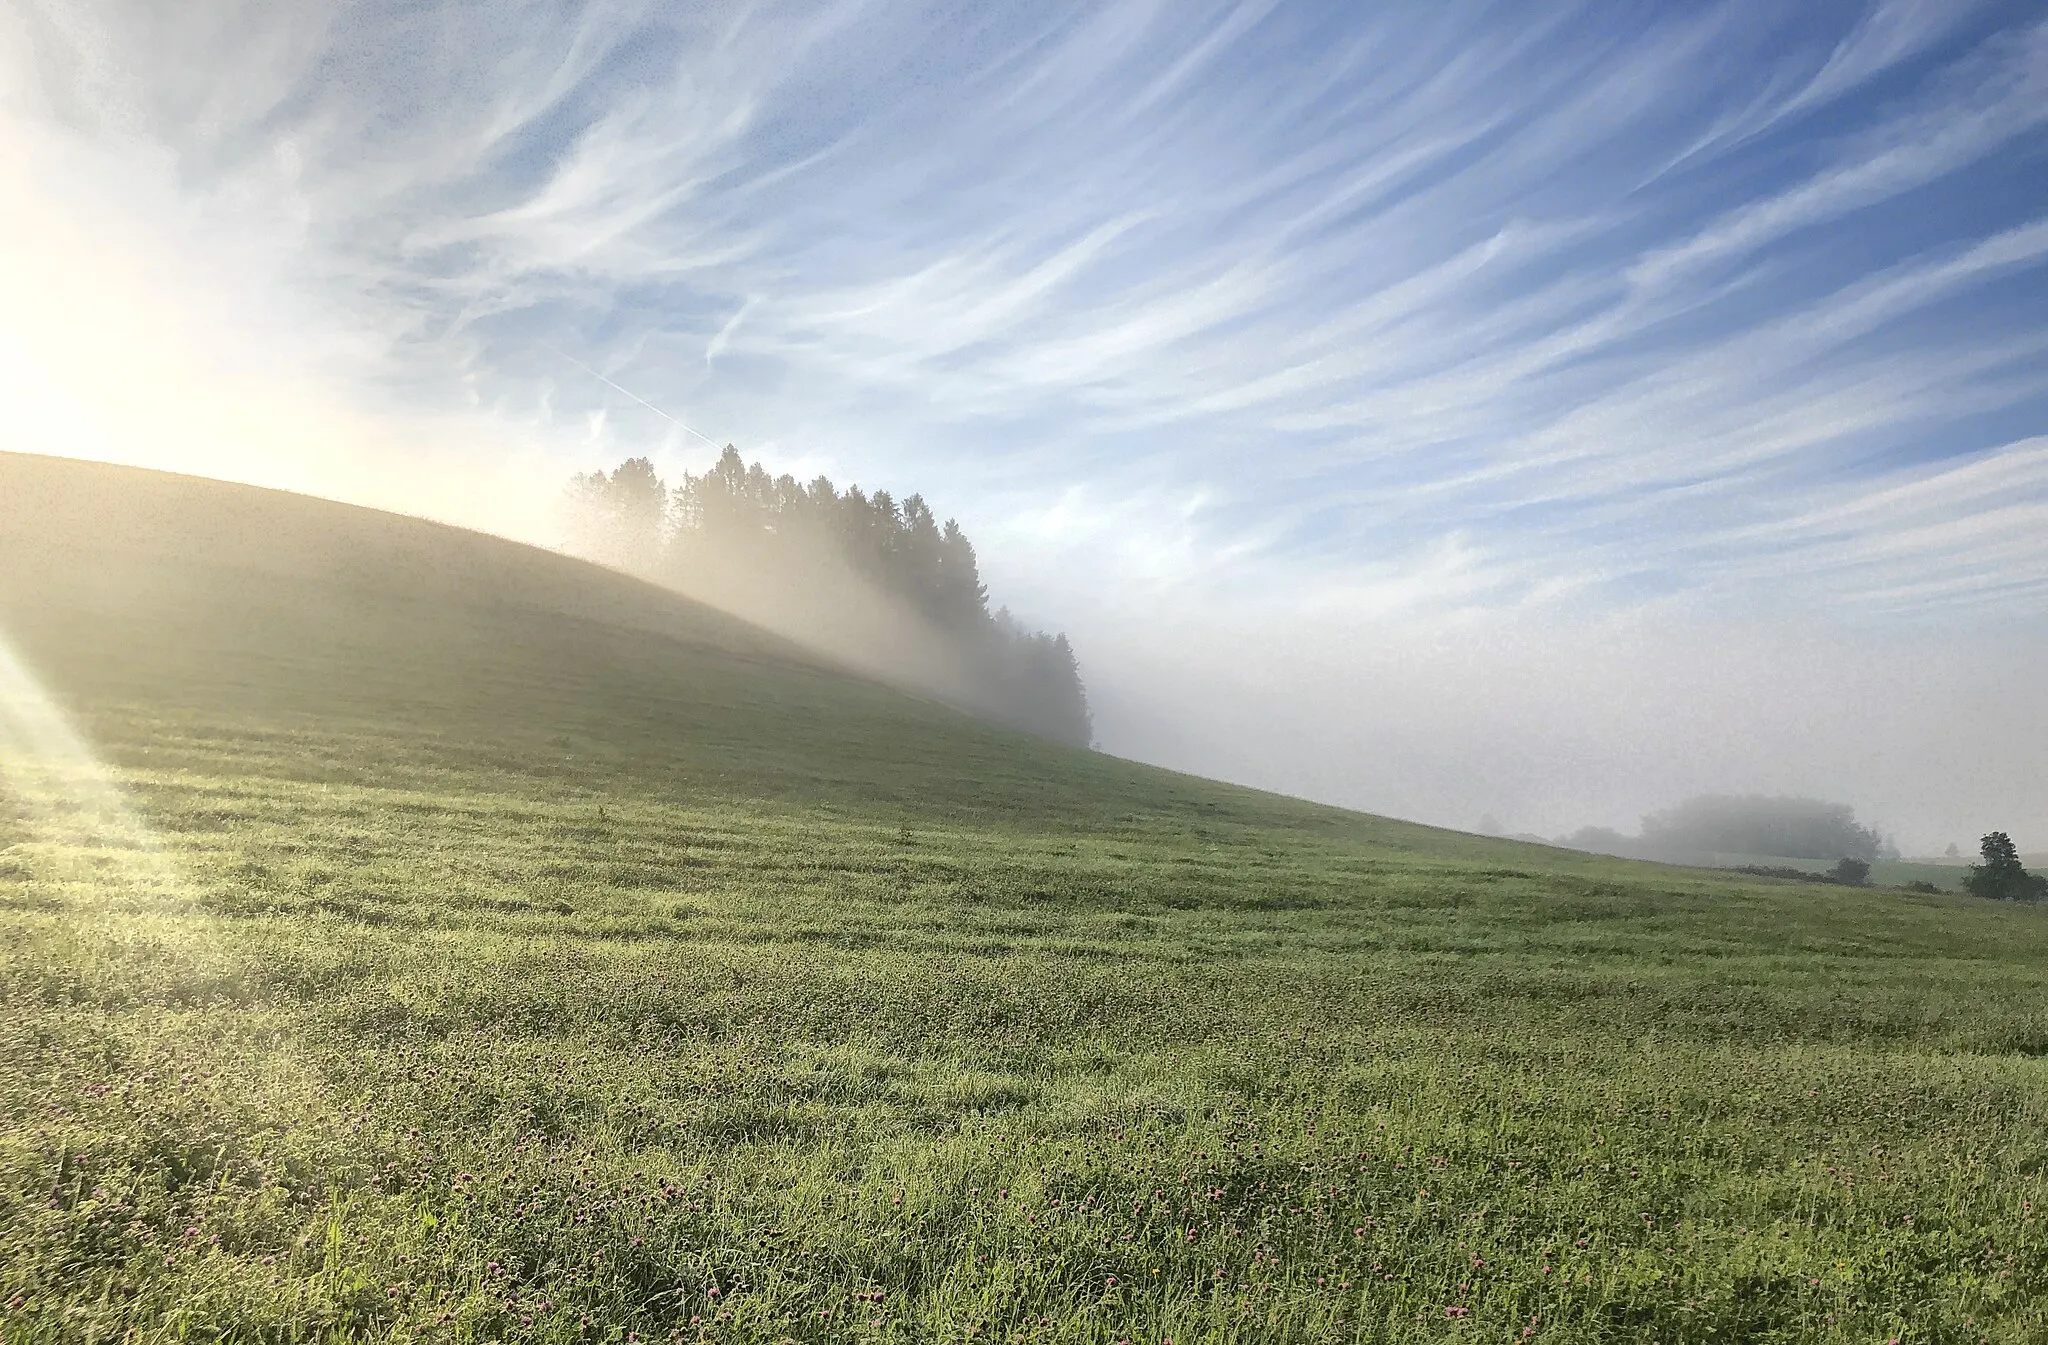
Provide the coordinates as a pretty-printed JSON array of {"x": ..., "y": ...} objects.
[
  {"x": 483, "y": 945},
  {"x": 135, "y": 588}
]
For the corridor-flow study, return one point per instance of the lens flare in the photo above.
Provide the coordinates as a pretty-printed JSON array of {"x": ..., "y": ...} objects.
[{"x": 72, "y": 831}]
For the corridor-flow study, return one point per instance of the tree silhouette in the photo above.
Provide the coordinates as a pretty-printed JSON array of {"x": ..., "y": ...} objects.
[
  {"x": 620, "y": 518},
  {"x": 1851, "y": 872},
  {"x": 2001, "y": 877},
  {"x": 1756, "y": 825},
  {"x": 735, "y": 519}
]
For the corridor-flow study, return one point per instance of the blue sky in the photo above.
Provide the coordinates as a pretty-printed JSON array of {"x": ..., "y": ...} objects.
[{"x": 1265, "y": 317}]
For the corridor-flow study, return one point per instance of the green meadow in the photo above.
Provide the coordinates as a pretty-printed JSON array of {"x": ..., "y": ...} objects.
[{"x": 429, "y": 938}]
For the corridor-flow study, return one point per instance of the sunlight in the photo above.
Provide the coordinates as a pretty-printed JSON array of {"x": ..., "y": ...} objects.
[
  {"x": 81, "y": 835},
  {"x": 167, "y": 345}
]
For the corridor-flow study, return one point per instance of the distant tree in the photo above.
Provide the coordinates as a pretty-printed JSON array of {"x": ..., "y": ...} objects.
[
  {"x": 1040, "y": 682},
  {"x": 1601, "y": 841},
  {"x": 1952, "y": 852},
  {"x": 1851, "y": 872},
  {"x": 1756, "y": 825},
  {"x": 2001, "y": 877}
]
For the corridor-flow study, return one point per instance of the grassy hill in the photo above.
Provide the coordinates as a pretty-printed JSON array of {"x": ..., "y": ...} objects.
[{"x": 424, "y": 937}]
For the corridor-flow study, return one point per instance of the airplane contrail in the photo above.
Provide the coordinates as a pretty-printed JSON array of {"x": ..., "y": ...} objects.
[{"x": 628, "y": 392}]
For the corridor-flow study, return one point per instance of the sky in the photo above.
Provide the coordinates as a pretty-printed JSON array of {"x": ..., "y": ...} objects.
[{"x": 1535, "y": 411}]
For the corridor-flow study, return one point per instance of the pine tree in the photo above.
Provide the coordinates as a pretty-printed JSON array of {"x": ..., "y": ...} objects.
[
  {"x": 736, "y": 521},
  {"x": 620, "y": 518}
]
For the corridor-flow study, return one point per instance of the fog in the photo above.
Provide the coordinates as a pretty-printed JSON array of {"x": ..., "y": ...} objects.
[
  {"x": 145, "y": 321},
  {"x": 1546, "y": 720},
  {"x": 1552, "y": 722},
  {"x": 814, "y": 598}
]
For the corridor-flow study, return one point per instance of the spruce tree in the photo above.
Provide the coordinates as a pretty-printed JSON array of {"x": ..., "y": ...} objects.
[{"x": 735, "y": 520}]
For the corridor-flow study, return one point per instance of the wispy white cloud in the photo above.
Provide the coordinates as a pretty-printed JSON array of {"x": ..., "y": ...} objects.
[
  {"x": 1877, "y": 42},
  {"x": 1547, "y": 272},
  {"x": 1996, "y": 98}
]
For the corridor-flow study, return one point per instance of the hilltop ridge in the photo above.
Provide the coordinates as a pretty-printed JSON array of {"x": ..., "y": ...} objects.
[{"x": 118, "y": 582}]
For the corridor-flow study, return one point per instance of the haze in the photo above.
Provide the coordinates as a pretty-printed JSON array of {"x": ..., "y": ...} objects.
[{"x": 1544, "y": 413}]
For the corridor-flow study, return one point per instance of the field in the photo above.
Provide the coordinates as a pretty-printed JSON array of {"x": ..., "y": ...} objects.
[
  {"x": 425, "y": 938},
  {"x": 1883, "y": 872}
]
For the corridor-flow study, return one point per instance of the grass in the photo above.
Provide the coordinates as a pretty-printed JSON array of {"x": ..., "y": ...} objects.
[
  {"x": 1883, "y": 872},
  {"x": 485, "y": 947}
]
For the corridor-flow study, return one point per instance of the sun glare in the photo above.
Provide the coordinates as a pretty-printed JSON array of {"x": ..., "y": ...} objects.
[
  {"x": 151, "y": 348},
  {"x": 72, "y": 822}
]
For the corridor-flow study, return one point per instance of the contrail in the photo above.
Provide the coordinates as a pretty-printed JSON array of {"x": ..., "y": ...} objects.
[{"x": 628, "y": 392}]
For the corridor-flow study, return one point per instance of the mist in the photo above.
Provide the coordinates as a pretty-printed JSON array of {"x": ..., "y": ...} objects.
[
  {"x": 1317, "y": 518},
  {"x": 816, "y": 600},
  {"x": 879, "y": 585},
  {"x": 1552, "y": 721}
]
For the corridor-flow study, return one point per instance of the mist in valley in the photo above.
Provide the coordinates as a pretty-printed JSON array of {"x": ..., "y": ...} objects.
[{"x": 1545, "y": 722}]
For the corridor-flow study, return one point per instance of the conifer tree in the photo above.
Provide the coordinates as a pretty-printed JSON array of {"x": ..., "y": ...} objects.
[
  {"x": 620, "y": 518},
  {"x": 735, "y": 519}
]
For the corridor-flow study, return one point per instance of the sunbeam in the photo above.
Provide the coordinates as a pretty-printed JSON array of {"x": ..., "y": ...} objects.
[{"x": 74, "y": 831}]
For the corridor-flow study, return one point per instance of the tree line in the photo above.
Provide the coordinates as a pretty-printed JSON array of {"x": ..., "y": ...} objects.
[
  {"x": 1751, "y": 824},
  {"x": 881, "y": 580},
  {"x": 1712, "y": 827},
  {"x": 1759, "y": 825}
]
